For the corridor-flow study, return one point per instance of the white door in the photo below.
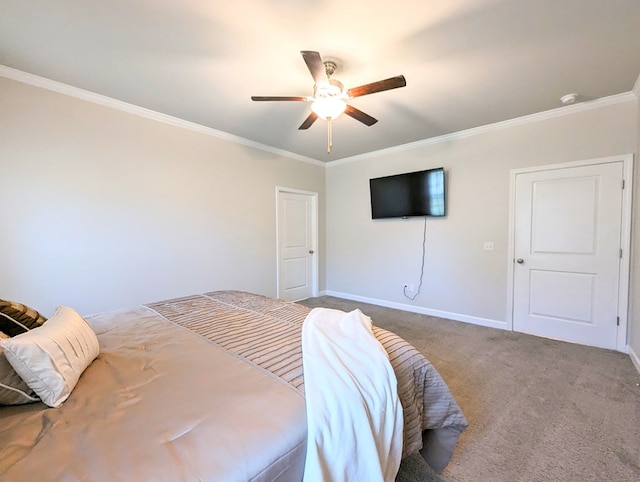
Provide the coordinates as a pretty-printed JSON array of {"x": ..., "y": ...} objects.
[
  {"x": 297, "y": 260},
  {"x": 567, "y": 250}
]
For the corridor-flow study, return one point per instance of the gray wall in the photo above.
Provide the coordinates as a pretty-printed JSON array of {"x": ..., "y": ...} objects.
[
  {"x": 372, "y": 260},
  {"x": 103, "y": 209}
]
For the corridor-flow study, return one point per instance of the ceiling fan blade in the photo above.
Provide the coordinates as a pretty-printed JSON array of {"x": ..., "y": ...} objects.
[
  {"x": 315, "y": 65},
  {"x": 381, "y": 85},
  {"x": 308, "y": 121},
  {"x": 359, "y": 115},
  {"x": 261, "y": 98}
]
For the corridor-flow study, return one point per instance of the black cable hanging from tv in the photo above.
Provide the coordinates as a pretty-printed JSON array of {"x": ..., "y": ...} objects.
[{"x": 424, "y": 247}]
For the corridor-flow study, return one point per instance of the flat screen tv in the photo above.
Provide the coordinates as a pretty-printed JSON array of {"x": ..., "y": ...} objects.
[{"x": 420, "y": 193}]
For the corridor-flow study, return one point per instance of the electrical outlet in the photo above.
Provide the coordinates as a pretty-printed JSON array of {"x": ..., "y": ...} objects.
[
  {"x": 409, "y": 287},
  {"x": 488, "y": 245}
]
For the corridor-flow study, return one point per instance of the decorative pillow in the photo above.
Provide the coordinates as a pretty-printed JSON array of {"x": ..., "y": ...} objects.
[
  {"x": 51, "y": 358},
  {"x": 13, "y": 389},
  {"x": 16, "y": 318}
]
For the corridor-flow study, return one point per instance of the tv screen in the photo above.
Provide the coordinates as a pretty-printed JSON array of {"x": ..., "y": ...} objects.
[{"x": 420, "y": 193}]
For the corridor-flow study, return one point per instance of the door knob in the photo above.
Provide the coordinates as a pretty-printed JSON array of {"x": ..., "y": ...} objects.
[
  {"x": 311, "y": 251},
  {"x": 520, "y": 261}
]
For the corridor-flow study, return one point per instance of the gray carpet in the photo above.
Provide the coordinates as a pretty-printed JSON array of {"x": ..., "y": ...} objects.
[{"x": 538, "y": 409}]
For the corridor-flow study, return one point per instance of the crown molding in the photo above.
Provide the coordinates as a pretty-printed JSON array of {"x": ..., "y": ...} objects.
[
  {"x": 86, "y": 95},
  {"x": 103, "y": 100},
  {"x": 497, "y": 126}
]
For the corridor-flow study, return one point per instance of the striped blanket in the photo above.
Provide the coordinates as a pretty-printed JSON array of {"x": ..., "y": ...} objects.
[{"x": 267, "y": 332}]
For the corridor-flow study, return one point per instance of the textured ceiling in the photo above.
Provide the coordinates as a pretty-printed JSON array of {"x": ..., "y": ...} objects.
[{"x": 467, "y": 62}]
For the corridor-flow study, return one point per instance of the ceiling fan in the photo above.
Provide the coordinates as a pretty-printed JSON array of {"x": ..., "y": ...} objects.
[{"x": 330, "y": 98}]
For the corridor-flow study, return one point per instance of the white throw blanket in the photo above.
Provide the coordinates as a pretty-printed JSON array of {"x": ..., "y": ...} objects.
[{"x": 354, "y": 416}]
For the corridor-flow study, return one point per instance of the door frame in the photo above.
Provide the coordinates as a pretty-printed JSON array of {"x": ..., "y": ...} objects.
[
  {"x": 313, "y": 196},
  {"x": 625, "y": 237}
]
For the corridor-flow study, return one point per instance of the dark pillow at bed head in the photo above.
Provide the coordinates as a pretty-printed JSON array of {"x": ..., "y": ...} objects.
[
  {"x": 16, "y": 318},
  {"x": 13, "y": 389}
]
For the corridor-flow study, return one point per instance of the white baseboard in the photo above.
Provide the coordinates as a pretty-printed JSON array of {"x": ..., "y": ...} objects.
[
  {"x": 501, "y": 325},
  {"x": 422, "y": 310},
  {"x": 634, "y": 358}
]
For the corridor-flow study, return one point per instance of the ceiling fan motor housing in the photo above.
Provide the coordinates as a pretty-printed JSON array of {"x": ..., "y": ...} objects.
[{"x": 329, "y": 67}]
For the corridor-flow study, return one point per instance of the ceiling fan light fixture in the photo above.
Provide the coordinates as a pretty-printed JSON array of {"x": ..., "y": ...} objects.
[{"x": 328, "y": 107}]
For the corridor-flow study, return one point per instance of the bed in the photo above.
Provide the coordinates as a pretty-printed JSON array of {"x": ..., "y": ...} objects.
[{"x": 204, "y": 387}]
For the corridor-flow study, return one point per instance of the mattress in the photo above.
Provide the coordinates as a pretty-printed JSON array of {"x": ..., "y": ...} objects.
[{"x": 205, "y": 387}]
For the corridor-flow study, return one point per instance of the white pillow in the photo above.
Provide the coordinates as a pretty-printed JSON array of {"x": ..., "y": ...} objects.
[{"x": 51, "y": 358}]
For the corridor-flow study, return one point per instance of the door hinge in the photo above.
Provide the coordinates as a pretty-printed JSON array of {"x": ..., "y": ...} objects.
[
  {"x": 620, "y": 253},
  {"x": 617, "y": 320},
  {"x": 623, "y": 184}
]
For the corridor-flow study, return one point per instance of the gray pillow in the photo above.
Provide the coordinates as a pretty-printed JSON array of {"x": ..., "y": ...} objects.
[{"x": 13, "y": 389}]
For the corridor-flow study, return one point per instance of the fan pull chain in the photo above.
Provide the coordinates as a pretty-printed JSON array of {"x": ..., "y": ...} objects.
[{"x": 329, "y": 135}]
